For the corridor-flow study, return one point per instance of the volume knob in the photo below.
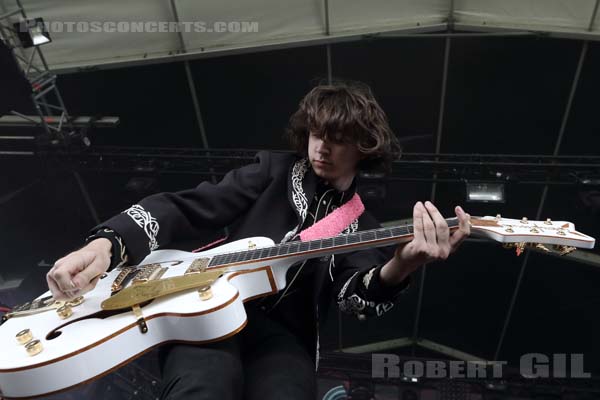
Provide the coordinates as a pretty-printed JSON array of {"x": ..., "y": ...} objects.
[
  {"x": 24, "y": 336},
  {"x": 34, "y": 347},
  {"x": 65, "y": 311}
]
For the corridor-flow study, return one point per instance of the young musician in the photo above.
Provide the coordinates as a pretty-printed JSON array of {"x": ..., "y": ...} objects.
[{"x": 337, "y": 131}]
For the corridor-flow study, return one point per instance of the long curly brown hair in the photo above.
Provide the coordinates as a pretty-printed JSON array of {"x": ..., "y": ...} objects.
[{"x": 346, "y": 111}]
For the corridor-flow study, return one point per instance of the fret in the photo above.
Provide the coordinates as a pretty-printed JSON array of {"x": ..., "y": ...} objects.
[
  {"x": 236, "y": 257},
  {"x": 351, "y": 239},
  {"x": 221, "y": 260},
  {"x": 304, "y": 246},
  {"x": 371, "y": 235},
  {"x": 384, "y": 234},
  {"x": 327, "y": 243},
  {"x": 228, "y": 258},
  {"x": 398, "y": 231},
  {"x": 262, "y": 252},
  {"x": 272, "y": 251},
  {"x": 288, "y": 248},
  {"x": 294, "y": 246},
  {"x": 280, "y": 250}
]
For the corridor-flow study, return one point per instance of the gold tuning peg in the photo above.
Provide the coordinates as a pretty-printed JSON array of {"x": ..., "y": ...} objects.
[
  {"x": 524, "y": 220},
  {"x": 564, "y": 250},
  {"x": 541, "y": 247},
  {"x": 548, "y": 221}
]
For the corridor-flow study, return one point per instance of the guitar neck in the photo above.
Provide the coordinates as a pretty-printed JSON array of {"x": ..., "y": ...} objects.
[{"x": 339, "y": 244}]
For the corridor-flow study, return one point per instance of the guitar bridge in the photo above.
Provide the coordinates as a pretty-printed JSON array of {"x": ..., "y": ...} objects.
[{"x": 117, "y": 284}]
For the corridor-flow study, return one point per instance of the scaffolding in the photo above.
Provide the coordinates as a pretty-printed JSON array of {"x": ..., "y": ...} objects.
[
  {"x": 52, "y": 115},
  {"x": 58, "y": 127}
]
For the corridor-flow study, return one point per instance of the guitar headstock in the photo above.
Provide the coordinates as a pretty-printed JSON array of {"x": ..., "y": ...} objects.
[{"x": 518, "y": 233}]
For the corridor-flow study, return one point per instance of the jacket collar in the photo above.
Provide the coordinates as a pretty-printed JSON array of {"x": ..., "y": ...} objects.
[{"x": 302, "y": 185}]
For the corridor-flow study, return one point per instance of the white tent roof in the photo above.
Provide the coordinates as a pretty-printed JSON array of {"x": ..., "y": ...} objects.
[{"x": 275, "y": 23}]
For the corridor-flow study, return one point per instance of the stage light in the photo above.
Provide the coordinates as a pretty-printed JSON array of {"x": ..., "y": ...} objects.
[
  {"x": 482, "y": 192},
  {"x": 32, "y": 32}
]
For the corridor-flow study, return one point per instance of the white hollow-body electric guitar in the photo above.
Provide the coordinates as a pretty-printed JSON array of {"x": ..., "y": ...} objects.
[{"x": 175, "y": 296}]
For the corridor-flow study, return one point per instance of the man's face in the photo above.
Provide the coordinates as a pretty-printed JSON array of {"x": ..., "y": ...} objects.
[{"x": 336, "y": 162}]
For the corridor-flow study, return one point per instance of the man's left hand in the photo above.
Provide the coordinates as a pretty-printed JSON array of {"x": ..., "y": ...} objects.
[{"x": 432, "y": 241}]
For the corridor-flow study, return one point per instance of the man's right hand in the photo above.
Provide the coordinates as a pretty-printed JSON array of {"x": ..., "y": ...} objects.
[{"x": 79, "y": 271}]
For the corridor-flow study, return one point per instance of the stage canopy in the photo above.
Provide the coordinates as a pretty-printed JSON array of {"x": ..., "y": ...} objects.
[{"x": 87, "y": 34}]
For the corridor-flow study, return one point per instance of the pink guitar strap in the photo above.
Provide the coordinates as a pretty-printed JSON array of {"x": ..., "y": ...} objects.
[
  {"x": 334, "y": 223},
  {"x": 329, "y": 226}
]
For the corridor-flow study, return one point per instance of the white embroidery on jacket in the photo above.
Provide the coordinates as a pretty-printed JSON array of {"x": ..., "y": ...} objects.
[
  {"x": 353, "y": 227},
  {"x": 123, "y": 252},
  {"x": 345, "y": 287},
  {"x": 298, "y": 196},
  {"x": 367, "y": 278},
  {"x": 354, "y": 304},
  {"x": 147, "y": 222}
]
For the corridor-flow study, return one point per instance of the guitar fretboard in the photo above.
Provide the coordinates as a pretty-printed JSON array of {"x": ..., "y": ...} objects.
[{"x": 328, "y": 245}]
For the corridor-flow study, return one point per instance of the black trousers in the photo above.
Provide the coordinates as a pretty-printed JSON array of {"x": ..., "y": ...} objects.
[{"x": 262, "y": 362}]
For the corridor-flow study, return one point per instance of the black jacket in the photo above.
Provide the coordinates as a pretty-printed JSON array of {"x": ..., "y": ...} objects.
[{"x": 266, "y": 198}]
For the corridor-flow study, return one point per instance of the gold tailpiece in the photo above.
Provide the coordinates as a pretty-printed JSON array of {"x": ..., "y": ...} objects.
[{"x": 143, "y": 292}]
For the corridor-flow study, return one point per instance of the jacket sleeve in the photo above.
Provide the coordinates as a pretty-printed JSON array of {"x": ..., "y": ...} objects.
[
  {"x": 357, "y": 285},
  {"x": 161, "y": 219}
]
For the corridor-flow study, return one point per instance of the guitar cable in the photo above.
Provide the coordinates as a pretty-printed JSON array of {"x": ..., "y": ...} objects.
[
  {"x": 304, "y": 262},
  {"x": 287, "y": 287}
]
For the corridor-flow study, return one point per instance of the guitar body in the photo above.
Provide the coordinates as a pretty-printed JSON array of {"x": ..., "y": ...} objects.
[{"x": 87, "y": 348}]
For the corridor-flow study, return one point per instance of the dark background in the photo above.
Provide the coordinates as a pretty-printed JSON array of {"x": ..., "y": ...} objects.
[{"x": 505, "y": 95}]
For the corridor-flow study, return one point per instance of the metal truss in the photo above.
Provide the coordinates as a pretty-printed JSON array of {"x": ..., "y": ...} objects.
[
  {"x": 52, "y": 114},
  {"x": 423, "y": 167}
]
